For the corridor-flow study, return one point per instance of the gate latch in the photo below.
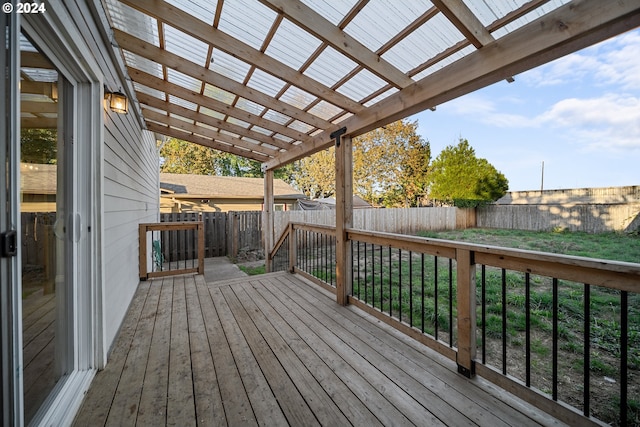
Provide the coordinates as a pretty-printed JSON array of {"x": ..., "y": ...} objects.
[{"x": 9, "y": 244}]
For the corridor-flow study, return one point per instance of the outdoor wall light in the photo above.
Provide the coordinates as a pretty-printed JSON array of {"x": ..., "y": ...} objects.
[{"x": 117, "y": 101}]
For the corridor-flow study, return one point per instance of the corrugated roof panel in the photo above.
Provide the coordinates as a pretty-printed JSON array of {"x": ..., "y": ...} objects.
[
  {"x": 301, "y": 127},
  {"x": 183, "y": 103},
  {"x": 332, "y": 10},
  {"x": 204, "y": 125},
  {"x": 450, "y": 59},
  {"x": 228, "y": 66},
  {"x": 531, "y": 16},
  {"x": 157, "y": 110},
  {"x": 238, "y": 122},
  {"x": 179, "y": 117},
  {"x": 263, "y": 131},
  {"x": 342, "y": 118},
  {"x": 330, "y": 67},
  {"x": 361, "y": 85},
  {"x": 265, "y": 83},
  {"x": 292, "y": 45},
  {"x": 211, "y": 113},
  {"x": 325, "y": 110},
  {"x": 435, "y": 36},
  {"x": 149, "y": 91},
  {"x": 367, "y": 28},
  {"x": 381, "y": 97},
  {"x": 143, "y": 64},
  {"x": 183, "y": 80},
  {"x": 185, "y": 46},
  {"x": 297, "y": 97},
  {"x": 283, "y": 138},
  {"x": 236, "y": 14},
  {"x": 219, "y": 94},
  {"x": 134, "y": 22},
  {"x": 204, "y": 10},
  {"x": 250, "y": 106},
  {"x": 277, "y": 117}
]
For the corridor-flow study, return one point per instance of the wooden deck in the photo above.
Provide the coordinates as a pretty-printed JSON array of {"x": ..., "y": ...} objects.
[{"x": 277, "y": 350}]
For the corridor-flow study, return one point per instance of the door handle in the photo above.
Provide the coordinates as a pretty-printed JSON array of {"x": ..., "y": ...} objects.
[{"x": 9, "y": 244}]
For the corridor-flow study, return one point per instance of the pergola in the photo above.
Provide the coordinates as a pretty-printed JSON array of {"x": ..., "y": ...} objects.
[{"x": 277, "y": 80}]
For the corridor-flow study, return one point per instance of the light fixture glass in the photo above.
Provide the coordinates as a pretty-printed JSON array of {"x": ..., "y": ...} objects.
[{"x": 118, "y": 102}]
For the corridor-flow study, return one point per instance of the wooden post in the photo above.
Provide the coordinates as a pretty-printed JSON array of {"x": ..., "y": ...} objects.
[
  {"x": 267, "y": 218},
  {"x": 344, "y": 216},
  {"x": 142, "y": 253},
  {"x": 466, "y": 272}
]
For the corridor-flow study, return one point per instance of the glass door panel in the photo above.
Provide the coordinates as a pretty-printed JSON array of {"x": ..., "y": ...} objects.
[{"x": 44, "y": 198}]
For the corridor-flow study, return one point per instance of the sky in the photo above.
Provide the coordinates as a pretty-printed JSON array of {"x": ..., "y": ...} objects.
[{"x": 580, "y": 115}]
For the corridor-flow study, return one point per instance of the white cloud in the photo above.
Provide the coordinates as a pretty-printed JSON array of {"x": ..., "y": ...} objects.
[
  {"x": 611, "y": 121},
  {"x": 613, "y": 62}
]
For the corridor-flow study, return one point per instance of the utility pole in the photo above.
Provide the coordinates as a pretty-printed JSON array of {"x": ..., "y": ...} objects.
[{"x": 542, "y": 179}]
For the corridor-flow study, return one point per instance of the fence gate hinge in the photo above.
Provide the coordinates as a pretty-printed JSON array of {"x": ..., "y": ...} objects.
[{"x": 9, "y": 244}]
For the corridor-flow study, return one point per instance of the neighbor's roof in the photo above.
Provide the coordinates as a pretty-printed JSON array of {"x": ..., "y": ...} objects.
[
  {"x": 230, "y": 187},
  {"x": 271, "y": 80}
]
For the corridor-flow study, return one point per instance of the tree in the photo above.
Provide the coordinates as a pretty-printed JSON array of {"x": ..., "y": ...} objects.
[
  {"x": 457, "y": 176},
  {"x": 315, "y": 175},
  {"x": 185, "y": 157},
  {"x": 38, "y": 146}
]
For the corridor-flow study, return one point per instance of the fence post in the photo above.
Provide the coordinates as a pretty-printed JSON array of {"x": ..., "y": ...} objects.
[
  {"x": 142, "y": 252},
  {"x": 344, "y": 214},
  {"x": 466, "y": 299}
]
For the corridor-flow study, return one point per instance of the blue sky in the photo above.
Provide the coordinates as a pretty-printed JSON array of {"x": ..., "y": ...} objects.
[{"x": 580, "y": 115}]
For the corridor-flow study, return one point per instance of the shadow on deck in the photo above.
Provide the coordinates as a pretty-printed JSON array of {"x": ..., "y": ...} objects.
[{"x": 275, "y": 349}]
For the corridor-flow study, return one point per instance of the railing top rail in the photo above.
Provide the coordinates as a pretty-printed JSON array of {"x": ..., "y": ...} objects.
[
  {"x": 184, "y": 225},
  {"x": 326, "y": 229}
]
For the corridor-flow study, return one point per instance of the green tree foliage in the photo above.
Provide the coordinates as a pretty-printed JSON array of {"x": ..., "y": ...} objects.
[
  {"x": 38, "y": 146},
  {"x": 390, "y": 166},
  {"x": 457, "y": 176}
]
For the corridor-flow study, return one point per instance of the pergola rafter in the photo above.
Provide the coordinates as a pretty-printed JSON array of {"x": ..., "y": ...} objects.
[{"x": 272, "y": 79}]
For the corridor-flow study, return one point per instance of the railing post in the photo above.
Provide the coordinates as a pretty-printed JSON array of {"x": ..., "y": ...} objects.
[
  {"x": 200, "y": 247},
  {"x": 344, "y": 214},
  {"x": 142, "y": 252},
  {"x": 292, "y": 248},
  {"x": 466, "y": 298}
]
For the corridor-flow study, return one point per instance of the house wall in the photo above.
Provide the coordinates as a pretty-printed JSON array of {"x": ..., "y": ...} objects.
[{"x": 130, "y": 178}]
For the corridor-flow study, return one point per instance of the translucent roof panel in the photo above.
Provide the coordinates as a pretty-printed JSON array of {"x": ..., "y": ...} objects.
[
  {"x": 292, "y": 45},
  {"x": 219, "y": 94},
  {"x": 143, "y": 64},
  {"x": 228, "y": 66},
  {"x": 488, "y": 12},
  {"x": 204, "y": 10},
  {"x": 185, "y": 46},
  {"x": 448, "y": 60},
  {"x": 332, "y": 10},
  {"x": 325, "y": 110},
  {"x": 211, "y": 113},
  {"x": 266, "y": 83},
  {"x": 237, "y": 13},
  {"x": 531, "y": 16},
  {"x": 366, "y": 27},
  {"x": 249, "y": 106},
  {"x": 330, "y": 67},
  {"x": 380, "y": 97},
  {"x": 149, "y": 91},
  {"x": 132, "y": 21},
  {"x": 297, "y": 97},
  {"x": 183, "y": 80},
  {"x": 434, "y": 37},
  {"x": 183, "y": 103},
  {"x": 361, "y": 85}
]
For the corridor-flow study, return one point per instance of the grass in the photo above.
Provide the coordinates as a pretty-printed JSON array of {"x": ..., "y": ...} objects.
[{"x": 252, "y": 271}]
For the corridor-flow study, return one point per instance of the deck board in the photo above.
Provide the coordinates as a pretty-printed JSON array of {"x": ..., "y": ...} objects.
[{"x": 277, "y": 350}]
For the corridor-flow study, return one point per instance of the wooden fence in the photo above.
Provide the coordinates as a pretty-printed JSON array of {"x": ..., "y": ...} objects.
[{"x": 225, "y": 233}]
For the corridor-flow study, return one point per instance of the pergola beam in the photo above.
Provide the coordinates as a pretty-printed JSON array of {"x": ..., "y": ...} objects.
[
  {"x": 465, "y": 21},
  {"x": 569, "y": 28},
  {"x": 205, "y": 101},
  {"x": 168, "y": 107},
  {"x": 182, "y": 65},
  {"x": 212, "y": 36},
  {"x": 201, "y": 140},
  {"x": 324, "y": 30}
]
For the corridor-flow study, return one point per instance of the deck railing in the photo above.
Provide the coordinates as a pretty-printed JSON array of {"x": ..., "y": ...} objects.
[
  {"x": 176, "y": 248},
  {"x": 561, "y": 332}
]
